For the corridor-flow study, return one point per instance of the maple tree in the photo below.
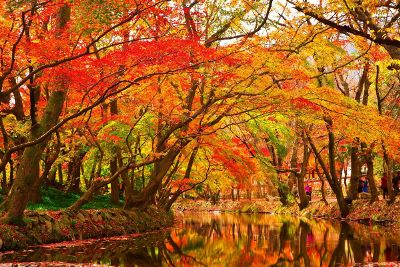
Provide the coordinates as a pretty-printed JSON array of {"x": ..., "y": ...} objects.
[{"x": 152, "y": 98}]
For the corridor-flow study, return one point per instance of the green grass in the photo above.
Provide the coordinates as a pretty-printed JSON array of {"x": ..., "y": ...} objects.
[{"x": 54, "y": 199}]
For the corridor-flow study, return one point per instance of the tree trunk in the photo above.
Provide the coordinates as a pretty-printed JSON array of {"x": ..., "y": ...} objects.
[
  {"x": 4, "y": 182},
  {"x": 28, "y": 170},
  {"x": 293, "y": 164},
  {"x": 355, "y": 171},
  {"x": 60, "y": 174},
  {"x": 74, "y": 172},
  {"x": 128, "y": 180},
  {"x": 114, "y": 161},
  {"x": 171, "y": 200},
  {"x": 35, "y": 195},
  {"x": 389, "y": 170},
  {"x": 302, "y": 193},
  {"x": 146, "y": 196},
  {"x": 300, "y": 176},
  {"x": 370, "y": 176},
  {"x": 322, "y": 185},
  {"x": 330, "y": 173},
  {"x": 11, "y": 174},
  {"x": 114, "y": 184},
  {"x": 52, "y": 176},
  {"x": 95, "y": 186},
  {"x": 188, "y": 172},
  {"x": 85, "y": 198}
]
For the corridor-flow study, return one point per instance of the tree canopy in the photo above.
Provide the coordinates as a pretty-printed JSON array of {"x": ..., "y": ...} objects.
[{"x": 162, "y": 98}]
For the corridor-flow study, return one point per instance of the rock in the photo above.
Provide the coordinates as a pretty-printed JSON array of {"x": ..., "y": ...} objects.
[{"x": 49, "y": 226}]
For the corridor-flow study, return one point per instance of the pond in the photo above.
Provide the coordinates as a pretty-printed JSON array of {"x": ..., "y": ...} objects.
[{"x": 227, "y": 239}]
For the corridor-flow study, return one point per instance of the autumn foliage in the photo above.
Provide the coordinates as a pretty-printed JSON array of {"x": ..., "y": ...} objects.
[{"x": 160, "y": 98}]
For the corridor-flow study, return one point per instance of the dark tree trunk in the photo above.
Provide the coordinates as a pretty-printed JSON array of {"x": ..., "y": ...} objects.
[
  {"x": 35, "y": 195},
  {"x": 60, "y": 174},
  {"x": 330, "y": 173},
  {"x": 52, "y": 176},
  {"x": 11, "y": 174},
  {"x": 74, "y": 172},
  {"x": 322, "y": 184},
  {"x": 188, "y": 172},
  {"x": 388, "y": 162},
  {"x": 128, "y": 180},
  {"x": 114, "y": 184},
  {"x": 94, "y": 187},
  {"x": 389, "y": 170},
  {"x": 114, "y": 162},
  {"x": 355, "y": 171},
  {"x": 293, "y": 164},
  {"x": 370, "y": 176},
  {"x": 300, "y": 176},
  {"x": 146, "y": 196},
  {"x": 28, "y": 170},
  {"x": 4, "y": 182}
]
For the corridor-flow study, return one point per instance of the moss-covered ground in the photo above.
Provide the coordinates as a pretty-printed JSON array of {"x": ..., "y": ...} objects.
[{"x": 54, "y": 199}]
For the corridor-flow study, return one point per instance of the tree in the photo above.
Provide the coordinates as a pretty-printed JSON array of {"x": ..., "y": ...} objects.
[{"x": 58, "y": 75}]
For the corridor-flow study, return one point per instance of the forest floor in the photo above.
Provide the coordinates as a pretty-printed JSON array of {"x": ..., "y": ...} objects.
[{"x": 55, "y": 199}]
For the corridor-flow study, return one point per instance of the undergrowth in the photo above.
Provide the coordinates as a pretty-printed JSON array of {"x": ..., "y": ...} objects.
[{"x": 54, "y": 199}]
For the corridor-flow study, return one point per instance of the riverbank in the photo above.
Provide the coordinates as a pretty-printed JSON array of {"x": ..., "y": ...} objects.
[
  {"x": 244, "y": 205},
  {"x": 361, "y": 210},
  {"x": 44, "y": 227}
]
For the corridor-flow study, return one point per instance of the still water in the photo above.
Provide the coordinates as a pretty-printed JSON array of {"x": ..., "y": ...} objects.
[{"x": 207, "y": 239}]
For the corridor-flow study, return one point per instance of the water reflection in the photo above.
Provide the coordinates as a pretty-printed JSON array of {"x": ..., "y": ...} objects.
[{"x": 233, "y": 240}]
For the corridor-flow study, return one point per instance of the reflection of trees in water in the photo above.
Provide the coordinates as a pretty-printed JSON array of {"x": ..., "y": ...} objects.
[
  {"x": 206, "y": 229},
  {"x": 177, "y": 250},
  {"x": 138, "y": 251},
  {"x": 323, "y": 249},
  {"x": 140, "y": 257},
  {"x": 236, "y": 242},
  {"x": 293, "y": 245},
  {"x": 350, "y": 249},
  {"x": 305, "y": 230},
  {"x": 232, "y": 231}
]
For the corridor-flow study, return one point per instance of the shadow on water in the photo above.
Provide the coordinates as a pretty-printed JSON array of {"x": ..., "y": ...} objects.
[{"x": 231, "y": 240}]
